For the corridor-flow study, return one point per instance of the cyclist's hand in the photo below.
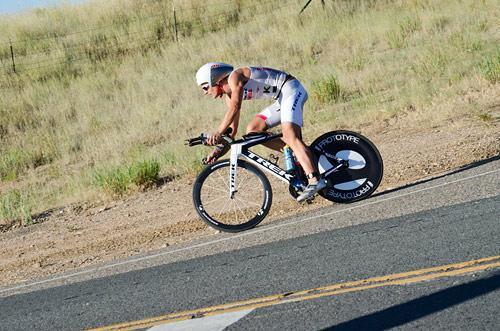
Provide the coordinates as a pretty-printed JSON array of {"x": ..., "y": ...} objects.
[
  {"x": 213, "y": 155},
  {"x": 214, "y": 139}
]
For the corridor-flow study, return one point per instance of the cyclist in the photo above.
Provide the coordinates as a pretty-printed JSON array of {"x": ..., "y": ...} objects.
[{"x": 221, "y": 80}]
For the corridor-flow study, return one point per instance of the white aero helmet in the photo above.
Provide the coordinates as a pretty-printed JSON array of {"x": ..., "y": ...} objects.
[{"x": 212, "y": 73}]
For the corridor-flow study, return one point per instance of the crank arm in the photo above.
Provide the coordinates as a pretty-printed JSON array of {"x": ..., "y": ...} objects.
[{"x": 342, "y": 164}]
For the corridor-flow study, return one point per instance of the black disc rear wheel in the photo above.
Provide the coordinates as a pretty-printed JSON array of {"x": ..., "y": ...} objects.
[{"x": 364, "y": 172}]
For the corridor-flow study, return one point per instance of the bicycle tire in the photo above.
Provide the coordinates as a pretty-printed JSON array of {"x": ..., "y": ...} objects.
[
  {"x": 365, "y": 170},
  {"x": 249, "y": 179}
]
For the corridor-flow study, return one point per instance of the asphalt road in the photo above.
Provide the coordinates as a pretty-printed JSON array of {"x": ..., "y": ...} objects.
[{"x": 448, "y": 220}]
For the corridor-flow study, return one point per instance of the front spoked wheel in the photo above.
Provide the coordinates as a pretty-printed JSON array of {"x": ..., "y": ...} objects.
[
  {"x": 245, "y": 209},
  {"x": 360, "y": 165}
]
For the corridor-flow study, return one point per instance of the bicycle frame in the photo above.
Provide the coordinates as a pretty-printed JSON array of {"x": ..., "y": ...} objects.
[{"x": 240, "y": 149}]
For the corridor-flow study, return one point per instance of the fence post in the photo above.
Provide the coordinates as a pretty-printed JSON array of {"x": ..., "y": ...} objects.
[
  {"x": 305, "y": 6},
  {"x": 12, "y": 56},
  {"x": 176, "y": 37}
]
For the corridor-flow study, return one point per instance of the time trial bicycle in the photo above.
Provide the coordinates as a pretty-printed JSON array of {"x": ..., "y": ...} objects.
[{"x": 234, "y": 194}]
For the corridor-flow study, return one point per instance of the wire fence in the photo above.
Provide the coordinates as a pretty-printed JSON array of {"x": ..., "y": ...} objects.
[
  {"x": 141, "y": 33},
  {"x": 163, "y": 14}
]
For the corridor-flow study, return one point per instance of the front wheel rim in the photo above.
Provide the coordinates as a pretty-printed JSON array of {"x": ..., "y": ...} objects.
[{"x": 248, "y": 207}]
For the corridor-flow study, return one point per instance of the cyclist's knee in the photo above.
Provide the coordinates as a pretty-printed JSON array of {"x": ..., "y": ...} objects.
[
  {"x": 256, "y": 125},
  {"x": 250, "y": 129}
]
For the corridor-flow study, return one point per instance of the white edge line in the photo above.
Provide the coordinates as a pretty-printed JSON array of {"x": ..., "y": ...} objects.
[
  {"x": 241, "y": 235},
  {"x": 213, "y": 322}
]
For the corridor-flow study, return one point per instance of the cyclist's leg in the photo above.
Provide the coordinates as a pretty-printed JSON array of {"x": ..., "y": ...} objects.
[
  {"x": 266, "y": 119},
  {"x": 291, "y": 135},
  {"x": 294, "y": 97}
]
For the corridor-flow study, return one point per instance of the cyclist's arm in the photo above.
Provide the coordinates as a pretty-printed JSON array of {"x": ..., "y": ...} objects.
[
  {"x": 236, "y": 120},
  {"x": 233, "y": 103}
]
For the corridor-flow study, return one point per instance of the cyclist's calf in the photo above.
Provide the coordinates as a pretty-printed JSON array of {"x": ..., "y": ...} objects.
[{"x": 292, "y": 136}]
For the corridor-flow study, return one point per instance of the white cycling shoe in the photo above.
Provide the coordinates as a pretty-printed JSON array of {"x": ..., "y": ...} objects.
[{"x": 311, "y": 190}]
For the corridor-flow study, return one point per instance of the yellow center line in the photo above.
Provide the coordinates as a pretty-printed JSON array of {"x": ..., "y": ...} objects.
[{"x": 404, "y": 278}]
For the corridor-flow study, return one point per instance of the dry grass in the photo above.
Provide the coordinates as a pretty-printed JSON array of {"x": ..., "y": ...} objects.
[{"x": 121, "y": 91}]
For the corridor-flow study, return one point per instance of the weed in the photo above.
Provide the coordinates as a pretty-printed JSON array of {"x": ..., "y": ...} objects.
[
  {"x": 144, "y": 173},
  {"x": 398, "y": 38},
  {"x": 439, "y": 24},
  {"x": 485, "y": 117},
  {"x": 431, "y": 64},
  {"x": 356, "y": 62},
  {"x": 73, "y": 228},
  {"x": 16, "y": 205},
  {"x": 465, "y": 43},
  {"x": 490, "y": 68},
  {"x": 351, "y": 8},
  {"x": 11, "y": 164},
  {"x": 119, "y": 180},
  {"x": 114, "y": 181},
  {"x": 329, "y": 90},
  {"x": 14, "y": 161}
]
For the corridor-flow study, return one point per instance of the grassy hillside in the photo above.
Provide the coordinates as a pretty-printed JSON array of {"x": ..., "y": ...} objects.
[{"x": 103, "y": 95}]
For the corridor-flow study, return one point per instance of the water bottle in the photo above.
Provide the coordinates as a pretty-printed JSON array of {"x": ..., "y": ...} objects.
[
  {"x": 291, "y": 167},
  {"x": 289, "y": 159}
]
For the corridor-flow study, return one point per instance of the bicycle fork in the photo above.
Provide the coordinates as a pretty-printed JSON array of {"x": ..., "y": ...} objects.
[{"x": 235, "y": 152}]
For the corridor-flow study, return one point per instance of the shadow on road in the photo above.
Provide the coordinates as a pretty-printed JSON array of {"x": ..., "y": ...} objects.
[
  {"x": 463, "y": 168},
  {"x": 412, "y": 310}
]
